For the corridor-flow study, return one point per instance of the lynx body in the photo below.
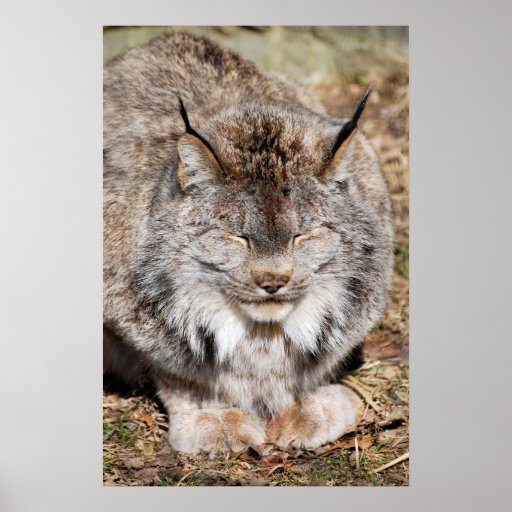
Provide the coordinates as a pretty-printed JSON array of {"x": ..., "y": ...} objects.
[{"x": 247, "y": 245}]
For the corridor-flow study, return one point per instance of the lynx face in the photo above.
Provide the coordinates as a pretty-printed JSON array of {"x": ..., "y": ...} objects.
[
  {"x": 265, "y": 261},
  {"x": 266, "y": 235}
]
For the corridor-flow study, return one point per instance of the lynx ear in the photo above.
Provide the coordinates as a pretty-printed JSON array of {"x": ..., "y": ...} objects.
[
  {"x": 342, "y": 143},
  {"x": 198, "y": 166}
]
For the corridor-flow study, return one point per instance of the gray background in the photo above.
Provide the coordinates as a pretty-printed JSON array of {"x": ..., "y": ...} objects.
[{"x": 50, "y": 295}]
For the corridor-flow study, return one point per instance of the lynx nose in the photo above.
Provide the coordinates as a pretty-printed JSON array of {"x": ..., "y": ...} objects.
[{"x": 270, "y": 282}]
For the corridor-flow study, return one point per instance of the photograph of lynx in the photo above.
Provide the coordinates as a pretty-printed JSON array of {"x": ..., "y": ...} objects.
[{"x": 250, "y": 244}]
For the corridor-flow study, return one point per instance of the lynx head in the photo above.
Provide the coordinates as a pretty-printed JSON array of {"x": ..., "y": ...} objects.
[{"x": 263, "y": 224}]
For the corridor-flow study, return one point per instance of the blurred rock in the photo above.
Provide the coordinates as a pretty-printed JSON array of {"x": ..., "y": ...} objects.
[{"x": 309, "y": 55}]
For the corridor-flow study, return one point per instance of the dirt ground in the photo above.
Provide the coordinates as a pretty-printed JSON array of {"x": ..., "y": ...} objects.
[{"x": 135, "y": 448}]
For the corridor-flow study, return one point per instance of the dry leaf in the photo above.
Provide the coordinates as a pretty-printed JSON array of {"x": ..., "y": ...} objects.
[
  {"x": 148, "y": 449},
  {"x": 390, "y": 372},
  {"x": 362, "y": 442},
  {"x": 370, "y": 416},
  {"x": 398, "y": 412},
  {"x": 271, "y": 460},
  {"x": 110, "y": 481},
  {"x": 146, "y": 474},
  {"x": 133, "y": 462},
  {"x": 258, "y": 481},
  {"x": 387, "y": 436},
  {"x": 322, "y": 483},
  {"x": 246, "y": 456},
  {"x": 144, "y": 417}
]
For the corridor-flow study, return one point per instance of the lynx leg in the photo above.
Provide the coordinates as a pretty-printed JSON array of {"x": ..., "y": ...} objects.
[
  {"x": 317, "y": 418},
  {"x": 208, "y": 425}
]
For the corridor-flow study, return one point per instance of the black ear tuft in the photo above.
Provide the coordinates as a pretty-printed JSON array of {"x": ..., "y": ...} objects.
[
  {"x": 351, "y": 125},
  {"x": 184, "y": 116},
  {"x": 361, "y": 106},
  {"x": 191, "y": 130}
]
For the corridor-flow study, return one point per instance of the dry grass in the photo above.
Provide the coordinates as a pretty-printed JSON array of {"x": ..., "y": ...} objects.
[{"x": 376, "y": 453}]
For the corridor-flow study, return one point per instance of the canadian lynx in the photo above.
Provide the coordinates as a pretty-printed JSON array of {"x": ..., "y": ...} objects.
[{"x": 247, "y": 245}]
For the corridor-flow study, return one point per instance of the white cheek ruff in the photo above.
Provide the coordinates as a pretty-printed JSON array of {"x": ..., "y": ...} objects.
[
  {"x": 204, "y": 307},
  {"x": 303, "y": 325}
]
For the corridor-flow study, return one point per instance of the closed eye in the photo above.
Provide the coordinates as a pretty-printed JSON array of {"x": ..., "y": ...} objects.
[
  {"x": 241, "y": 239},
  {"x": 314, "y": 233}
]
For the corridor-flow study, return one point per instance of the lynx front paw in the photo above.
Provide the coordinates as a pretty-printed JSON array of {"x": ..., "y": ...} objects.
[
  {"x": 317, "y": 418},
  {"x": 215, "y": 430}
]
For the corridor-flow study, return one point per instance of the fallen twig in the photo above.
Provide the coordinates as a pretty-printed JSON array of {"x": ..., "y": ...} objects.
[
  {"x": 356, "y": 386},
  {"x": 357, "y": 453},
  {"x": 403, "y": 457},
  {"x": 186, "y": 475},
  {"x": 278, "y": 466},
  {"x": 371, "y": 364}
]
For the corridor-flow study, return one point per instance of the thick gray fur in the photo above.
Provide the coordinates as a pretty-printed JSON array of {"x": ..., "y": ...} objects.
[{"x": 190, "y": 222}]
